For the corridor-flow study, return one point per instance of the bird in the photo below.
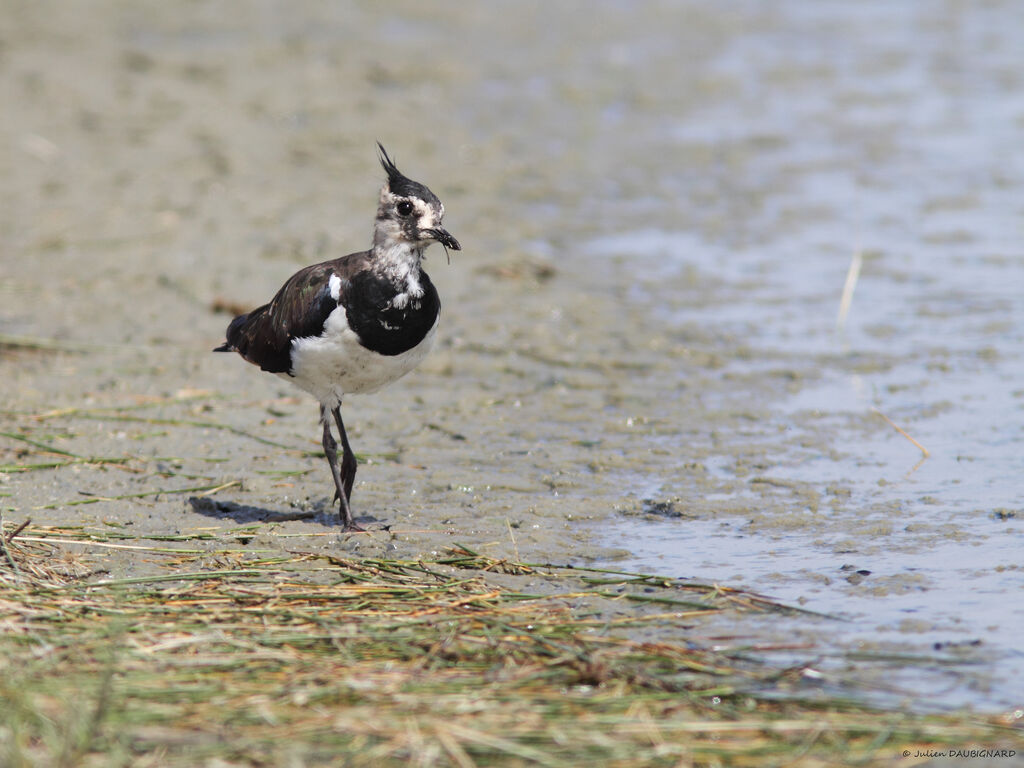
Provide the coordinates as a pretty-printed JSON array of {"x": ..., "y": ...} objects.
[{"x": 354, "y": 324}]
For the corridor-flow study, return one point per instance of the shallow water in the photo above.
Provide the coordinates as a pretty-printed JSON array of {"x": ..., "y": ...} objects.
[{"x": 932, "y": 337}]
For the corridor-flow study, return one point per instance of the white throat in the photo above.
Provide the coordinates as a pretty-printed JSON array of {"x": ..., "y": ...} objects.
[{"x": 399, "y": 263}]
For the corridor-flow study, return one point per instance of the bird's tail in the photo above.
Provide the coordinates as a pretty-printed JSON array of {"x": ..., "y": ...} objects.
[{"x": 231, "y": 345}]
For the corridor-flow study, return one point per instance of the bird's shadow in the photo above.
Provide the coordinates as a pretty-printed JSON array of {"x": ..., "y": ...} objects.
[{"x": 243, "y": 513}]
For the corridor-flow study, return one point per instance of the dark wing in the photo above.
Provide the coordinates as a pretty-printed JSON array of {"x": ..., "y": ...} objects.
[{"x": 300, "y": 309}]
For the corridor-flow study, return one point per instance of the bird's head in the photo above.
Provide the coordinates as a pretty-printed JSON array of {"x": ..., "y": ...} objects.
[{"x": 409, "y": 213}]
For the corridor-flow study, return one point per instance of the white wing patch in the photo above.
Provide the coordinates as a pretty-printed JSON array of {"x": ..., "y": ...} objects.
[{"x": 335, "y": 286}]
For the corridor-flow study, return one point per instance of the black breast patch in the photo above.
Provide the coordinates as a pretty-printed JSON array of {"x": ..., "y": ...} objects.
[{"x": 382, "y": 327}]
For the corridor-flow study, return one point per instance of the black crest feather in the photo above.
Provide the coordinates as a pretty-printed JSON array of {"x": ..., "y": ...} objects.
[
  {"x": 398, "y": 183},
  {"x": 389, "y": 165}
]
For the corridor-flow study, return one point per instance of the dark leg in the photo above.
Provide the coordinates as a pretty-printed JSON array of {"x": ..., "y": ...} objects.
[
  {"x": 331, "y": 449},
  {"x": 348, "y": 457}
]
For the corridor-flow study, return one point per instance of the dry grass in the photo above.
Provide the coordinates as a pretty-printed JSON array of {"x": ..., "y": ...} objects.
[{"x": 227, "y": 657}]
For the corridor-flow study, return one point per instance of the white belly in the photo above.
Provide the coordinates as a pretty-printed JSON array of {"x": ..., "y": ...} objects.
[{"x": 336, "y": 364}]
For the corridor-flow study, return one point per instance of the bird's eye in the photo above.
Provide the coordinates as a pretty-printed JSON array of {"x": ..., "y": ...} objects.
[{"x": 404, "y": 208}]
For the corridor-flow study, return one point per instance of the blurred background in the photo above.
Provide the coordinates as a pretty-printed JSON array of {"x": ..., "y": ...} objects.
[{"x": 713, "y": 253}]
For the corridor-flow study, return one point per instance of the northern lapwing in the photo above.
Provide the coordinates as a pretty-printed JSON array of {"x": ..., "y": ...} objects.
[{"x": 351, "y": 325}]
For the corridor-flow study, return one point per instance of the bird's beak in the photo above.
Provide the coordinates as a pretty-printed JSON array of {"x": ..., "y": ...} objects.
[{"x": 444, "y": 238}]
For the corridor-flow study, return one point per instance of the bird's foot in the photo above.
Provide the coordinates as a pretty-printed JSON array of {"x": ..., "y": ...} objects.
[{"x": 348, "y": 524}]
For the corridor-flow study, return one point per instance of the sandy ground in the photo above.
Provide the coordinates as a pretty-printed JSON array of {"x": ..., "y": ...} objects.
[{"x": 168, "y": 170}]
